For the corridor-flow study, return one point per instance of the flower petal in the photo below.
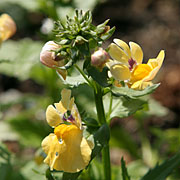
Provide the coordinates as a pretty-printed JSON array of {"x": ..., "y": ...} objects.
[
  {"x": 65, "y": 98},
  {"x": 124, "y": 46},
  {"x": 140, "y": 85},
  {"x": 7, "y": 27},
  {"x": 53, "y": 117},
  {"x": 157, "y": 61},
  {"x": 136, "y": 52},
  {"x": 120, "y": 72},
  {"x": 140, "y": 72},
  {"x": 52, "y": 149},
  {"x": 118, "y": 54},
  {"x": 155, "y": 64},
  {"x": 72, "y": 154},
  {"x": 76, "y": 116}
]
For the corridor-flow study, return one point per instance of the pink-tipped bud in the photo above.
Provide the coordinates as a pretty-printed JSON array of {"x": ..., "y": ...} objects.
[
  {"x": 7, "y": 27},
  {"x": 99, "y": 58},
  {"x": 47, "y": 56}
]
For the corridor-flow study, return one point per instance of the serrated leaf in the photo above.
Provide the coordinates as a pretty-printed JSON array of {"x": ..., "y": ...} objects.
[
  {"x": 100, "y": 77},
  {"x": 74, "y": 81},
  {"x": 123, "y": 106},
  {"x": 125, "y": 175},
  {"x": 160, "y": 172},
  {"x": 125, "y": 91}
]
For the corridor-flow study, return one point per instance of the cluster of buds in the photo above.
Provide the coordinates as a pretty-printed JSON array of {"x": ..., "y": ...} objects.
[
  {"x": 7, "y": 27},
  {"x": 99, "y": 58},
  {"x": 49, "y": 58}
]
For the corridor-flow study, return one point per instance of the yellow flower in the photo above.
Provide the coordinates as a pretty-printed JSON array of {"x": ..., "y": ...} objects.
[
  {"x": 125, "y": 58},
  {"x": 7, "y": 27},
  {"x": 47, "y": 57},
  {"x": 67, "y": 150},
  {"x": 127, "y": 65},
  {"x": 143, "y": 74}
]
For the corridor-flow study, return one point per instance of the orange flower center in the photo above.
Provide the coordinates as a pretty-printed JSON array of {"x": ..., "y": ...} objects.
[{"x": 140, "y": 72}]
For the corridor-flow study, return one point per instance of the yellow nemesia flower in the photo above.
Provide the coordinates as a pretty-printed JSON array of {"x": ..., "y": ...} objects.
[
  {"x": 67, "y": 150},
  {"x": 127, "y": 65},
  {"x": 7, "y": 27},
  {"x": 124, "y": 58},
  {"x": 143, "y": 74}
]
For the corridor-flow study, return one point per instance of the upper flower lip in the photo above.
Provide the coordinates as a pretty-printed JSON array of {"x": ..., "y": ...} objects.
[
  {"x": 121, "y": 52},
  {"x": 55, "y": 115}
]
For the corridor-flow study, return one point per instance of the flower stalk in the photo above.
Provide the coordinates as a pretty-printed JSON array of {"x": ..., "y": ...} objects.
[{"x": 98, "y": 95}]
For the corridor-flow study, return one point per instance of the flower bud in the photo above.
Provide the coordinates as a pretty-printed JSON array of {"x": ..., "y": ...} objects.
[
  {"x": 49, "y": 59},
  {"x": 99, "y": 58},
  {"x": 7, "y": 27},
  {"x": 47, "y": 56}
]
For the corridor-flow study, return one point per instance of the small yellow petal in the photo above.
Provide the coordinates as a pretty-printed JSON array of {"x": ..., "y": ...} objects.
[
  {"x": 140, "y": 72},
  {"x": 155, "y": 64},
  {"x": 140, "y": 85},
  {"x": 118, "y": 54},
  {"x": 136, "y": 52},
  {"x": 64, "y": 105},
  {"x": 120, "y": 72},
  {"x": 161, "y": 57},
  {"x": 53, "y": 116},
  {"x": 65, "y": 98},
  {"x": 124, "y": 46},
  {"x": 76, "y": 116}
]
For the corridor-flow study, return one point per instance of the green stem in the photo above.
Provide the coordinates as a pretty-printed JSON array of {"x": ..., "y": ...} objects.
[
  {"x": 98, "y": 94},
  {"x": 110, "y": 109},
  {"x": 83, "y": 74}
]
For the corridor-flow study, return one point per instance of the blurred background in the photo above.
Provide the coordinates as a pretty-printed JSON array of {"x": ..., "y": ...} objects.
[{"x": 27, "y": 87}]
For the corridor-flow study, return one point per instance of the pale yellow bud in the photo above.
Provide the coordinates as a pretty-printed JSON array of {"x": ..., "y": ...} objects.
[
  {"x": 99, "y": 58},
  {"x": 7, "y": 27}
]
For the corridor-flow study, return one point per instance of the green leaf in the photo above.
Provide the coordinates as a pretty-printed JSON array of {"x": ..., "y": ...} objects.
[
  {"x": 125, "y": 175},
  {"x": 49, "y": 175},
  {"x": 160, "y": 172},
  {"x": 99, "y": 76},
  {"x": 71, "y": 176},
  {"x": 91, "y": 122},
  {"x": 101, "y": 137},
  {"x": 74, "y": 81},
  {"x": 123, "y": 106},
  {"x": 23, "y": 55},
  {"x": 125, "y": 91}
]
